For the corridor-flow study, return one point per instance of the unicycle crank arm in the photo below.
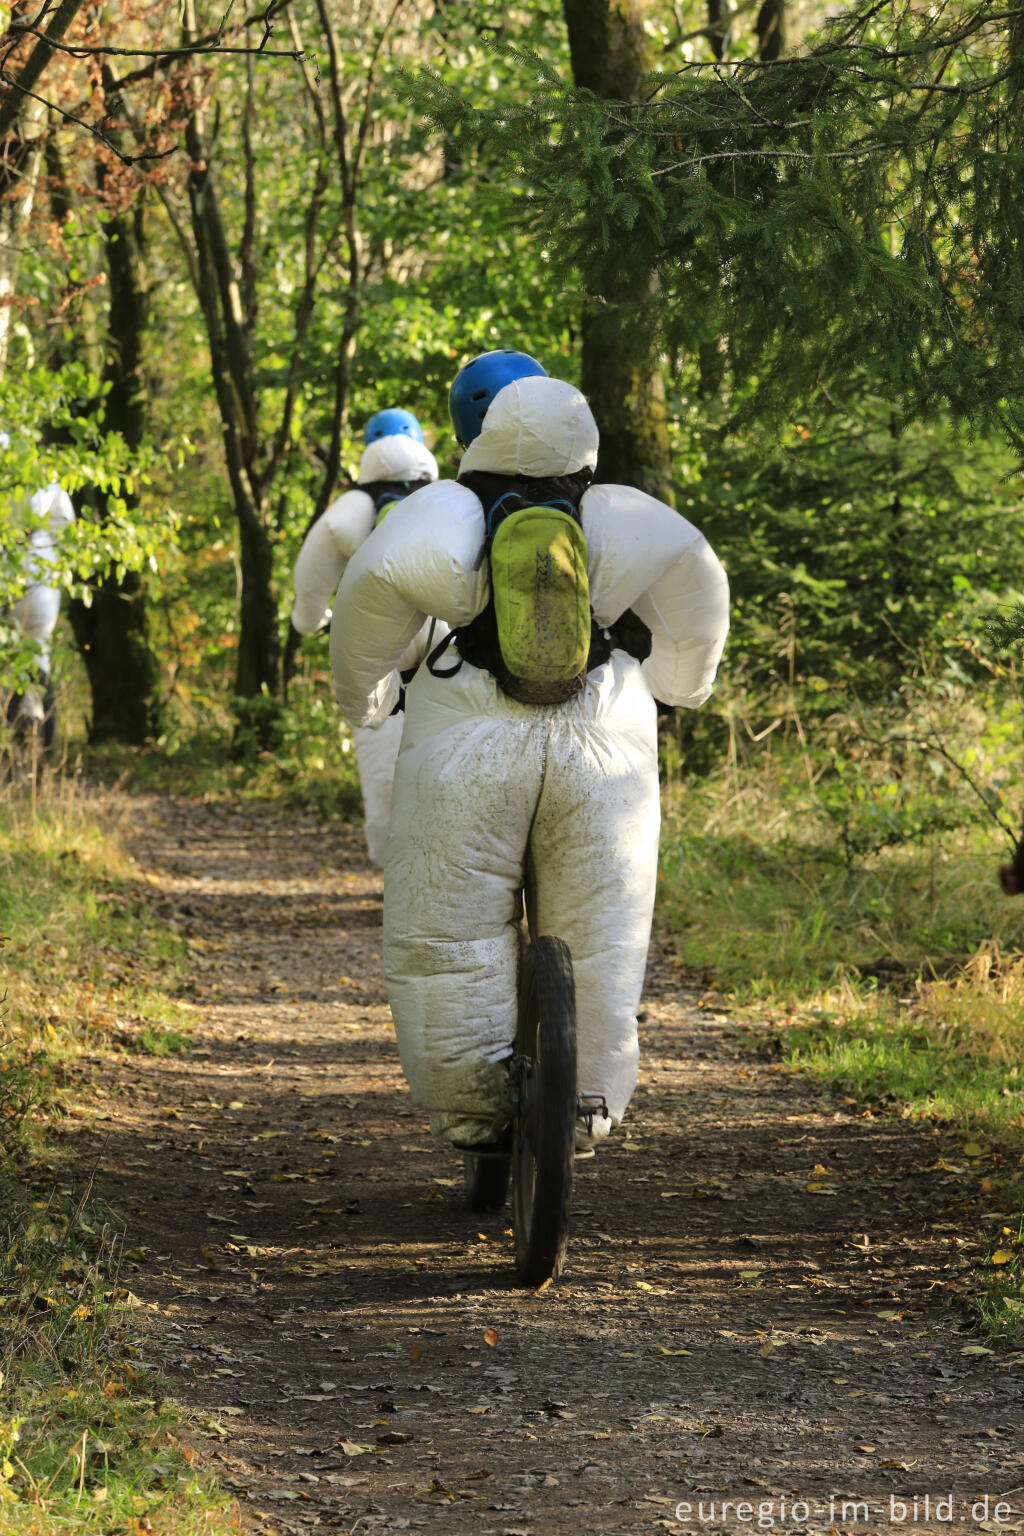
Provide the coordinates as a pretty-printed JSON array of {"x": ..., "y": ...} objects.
[{"x": 590, "y": 1107}]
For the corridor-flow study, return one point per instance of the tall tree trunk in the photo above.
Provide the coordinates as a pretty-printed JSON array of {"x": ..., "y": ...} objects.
[
  {"x": 22, "y": 122},
  {"x": 227, "y": 299},
  {"x": 113, "y": 632},
  {"x": 621, "y": 378},
  {"x": 771, "y": 30},
  {"x": 720, "y": 25},
  {"x": 22, "y": 83},
  {"x": 19, "y": 181}
]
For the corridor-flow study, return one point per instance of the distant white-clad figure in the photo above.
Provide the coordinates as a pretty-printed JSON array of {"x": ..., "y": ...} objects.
[
  {"x": 394, "y": 463},
  {"x": 37, "y": 526}
]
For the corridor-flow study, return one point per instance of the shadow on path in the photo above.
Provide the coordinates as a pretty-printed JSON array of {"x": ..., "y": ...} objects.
[{"x": 756, "y": 1303}]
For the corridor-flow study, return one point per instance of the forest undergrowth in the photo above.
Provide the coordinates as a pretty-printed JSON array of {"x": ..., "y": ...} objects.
[
  {"x": 838, "y": 882},
  {"x": 309, "y": 764},
  {"x": 86, "y": 1442},
  {"x": 811, "y": 884}
]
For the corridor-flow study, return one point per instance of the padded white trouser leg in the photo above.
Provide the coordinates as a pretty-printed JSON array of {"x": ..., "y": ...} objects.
[
  {"x": 595, "y": 842},
  {"x": 37, "y": 614},
  {"x": 479, "y": 779},
  {"x": 377, "y": 754}
]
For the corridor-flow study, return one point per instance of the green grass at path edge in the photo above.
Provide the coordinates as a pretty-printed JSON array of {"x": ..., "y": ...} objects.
[
  {"x": 927, "y": 1070},
  {"x": 86, "y": 1444},
  {"x": 897, "y": 980},
  {"x": 777, "y": 920}
]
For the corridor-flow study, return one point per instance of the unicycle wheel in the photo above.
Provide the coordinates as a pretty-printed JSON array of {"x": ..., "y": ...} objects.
[{"x": 544, "y": 1068}]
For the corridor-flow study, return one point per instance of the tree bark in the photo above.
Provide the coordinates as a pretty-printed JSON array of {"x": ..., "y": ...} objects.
[
  {"x": 771, "y": 30},
  {"x": 19, "y": 182},
  {"x": 18, "y": 100},
  {"x": 620, "y": 374},
  {"x": 113, "y": 632},
  {"x": 229, "y": 331},
  {"x": 22, "y": 130},
  {"x": 720, "y": 25}
]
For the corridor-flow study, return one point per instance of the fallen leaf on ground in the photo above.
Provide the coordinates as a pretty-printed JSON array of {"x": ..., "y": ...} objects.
[{"x": 215, "y": 1428}]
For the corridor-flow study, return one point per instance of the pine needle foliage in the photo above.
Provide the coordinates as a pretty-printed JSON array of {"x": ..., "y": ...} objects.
[{"x": 849, "y": 205}]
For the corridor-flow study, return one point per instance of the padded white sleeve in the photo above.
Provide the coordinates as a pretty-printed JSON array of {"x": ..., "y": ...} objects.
[
  {"x": 326, "y": 550},
  {"x": 645, "y": 556},
  {"x": 426, "y": 557},
  {"x": 687, "y": 613}
]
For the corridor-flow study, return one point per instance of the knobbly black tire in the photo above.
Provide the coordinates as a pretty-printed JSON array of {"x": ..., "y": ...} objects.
[
  {"x": 545, "y": 1124},
  {"x": 486, "y": 1180}
]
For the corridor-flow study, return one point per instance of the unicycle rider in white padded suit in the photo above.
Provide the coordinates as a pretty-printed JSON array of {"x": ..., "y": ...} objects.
[
  {"x": 482, "y": 777},
  {"x": 394, "y": 462},
  {"x": 40, "y": 521}
]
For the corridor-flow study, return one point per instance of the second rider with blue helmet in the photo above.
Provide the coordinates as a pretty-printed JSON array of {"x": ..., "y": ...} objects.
[
  {"x": 394, "y": 463},
  {"x": 484, "y": 779}
]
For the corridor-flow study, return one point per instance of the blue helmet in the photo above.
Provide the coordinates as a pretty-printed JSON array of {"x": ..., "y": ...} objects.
[
  {"x": 477, "y": 383},
  {"x": 390, "y": 424}
]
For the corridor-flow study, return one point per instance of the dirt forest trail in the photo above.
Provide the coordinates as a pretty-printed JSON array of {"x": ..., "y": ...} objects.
[{"x": 756, "y": 1310}]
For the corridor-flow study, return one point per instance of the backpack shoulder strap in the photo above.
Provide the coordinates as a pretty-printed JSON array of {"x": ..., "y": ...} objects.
[
  {"x": 384, "y": 493},
  {"x": 532, "y": 491}
]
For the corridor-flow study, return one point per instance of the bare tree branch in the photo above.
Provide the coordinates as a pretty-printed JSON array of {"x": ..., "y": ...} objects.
[
  {"x": 17, "y": 30},
  {"x": 36, "y": 62}
]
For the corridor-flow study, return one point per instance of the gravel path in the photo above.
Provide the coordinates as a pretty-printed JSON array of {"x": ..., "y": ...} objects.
[{"x": 755, "y": 1325}]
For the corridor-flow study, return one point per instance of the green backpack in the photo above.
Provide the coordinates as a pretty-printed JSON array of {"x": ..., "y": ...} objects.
[{"x": 537, "y": 635}]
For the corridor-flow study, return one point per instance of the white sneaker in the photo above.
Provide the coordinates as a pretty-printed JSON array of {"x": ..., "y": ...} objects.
[{"x": 591, "y": 1130}]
